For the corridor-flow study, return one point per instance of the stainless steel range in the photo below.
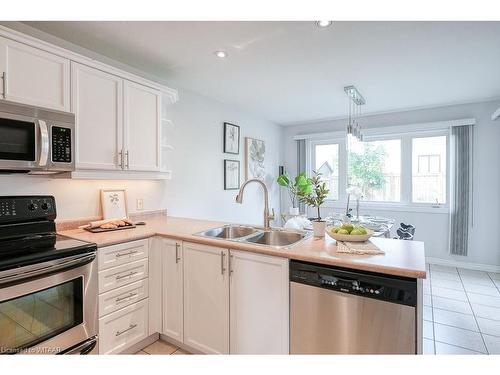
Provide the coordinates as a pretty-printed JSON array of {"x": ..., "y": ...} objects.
[{"x": 48, "y": 283}]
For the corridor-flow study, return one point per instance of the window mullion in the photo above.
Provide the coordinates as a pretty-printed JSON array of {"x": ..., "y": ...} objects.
[{"x": 406, "y": 169}]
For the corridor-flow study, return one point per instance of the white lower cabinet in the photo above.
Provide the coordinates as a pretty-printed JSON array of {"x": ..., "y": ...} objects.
[
  {"x": 259, "y": 304},
  {"x": 206, "y": 298},
  {"x": 233, "y": 302},
  {"x": 172, "y": 289},
  {"x": 123, "y": 328}
]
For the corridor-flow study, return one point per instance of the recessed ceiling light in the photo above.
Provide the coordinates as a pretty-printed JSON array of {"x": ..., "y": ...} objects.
[
  {"x": 221, "y": 54},
  {"x": 323, "y": 23}
]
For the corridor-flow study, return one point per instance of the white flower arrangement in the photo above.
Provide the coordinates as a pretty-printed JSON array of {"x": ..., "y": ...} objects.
[{"x": 355, "y": 192}]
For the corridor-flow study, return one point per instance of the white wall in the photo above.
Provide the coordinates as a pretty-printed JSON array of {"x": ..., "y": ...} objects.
[
  {"x": 197, "y": 187},
  {"x": 81, "y": 198},
  {"x": 433, "y": 228}
]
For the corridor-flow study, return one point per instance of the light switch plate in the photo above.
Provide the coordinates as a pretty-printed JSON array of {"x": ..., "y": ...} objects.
[{"x": 139, "y": 204}]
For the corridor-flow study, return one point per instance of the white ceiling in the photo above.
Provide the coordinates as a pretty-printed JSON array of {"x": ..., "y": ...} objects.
[{"x": 293, "y": 71}]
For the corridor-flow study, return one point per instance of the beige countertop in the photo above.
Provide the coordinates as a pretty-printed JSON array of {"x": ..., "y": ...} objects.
[{"x": 401, "y": 258}]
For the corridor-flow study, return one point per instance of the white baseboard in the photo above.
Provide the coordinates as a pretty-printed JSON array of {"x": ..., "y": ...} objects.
[{"x": 456, "y": 263}]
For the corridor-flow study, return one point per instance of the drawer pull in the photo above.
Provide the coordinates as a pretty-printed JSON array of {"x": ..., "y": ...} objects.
[
  {"x": 119, "y": 277},
  {"x": 132, "y": 326},
  {"x": 118, "y": 255},
  {"x": 121, "y": 299}
]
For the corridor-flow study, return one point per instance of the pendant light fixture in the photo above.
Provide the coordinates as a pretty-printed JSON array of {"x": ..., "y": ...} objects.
[{"x": 356, "y": 100}]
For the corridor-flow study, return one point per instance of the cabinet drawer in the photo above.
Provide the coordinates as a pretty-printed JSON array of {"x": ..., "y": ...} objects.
[
  {"x": 122, "y": 275},
  {"x": 118, "y": 298},
  {"x": 123, "y": 328},
  {"x": 116, "y": 255}
]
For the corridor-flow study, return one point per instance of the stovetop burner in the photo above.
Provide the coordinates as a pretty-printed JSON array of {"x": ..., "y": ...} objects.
[{"x": 28, "y": 232}]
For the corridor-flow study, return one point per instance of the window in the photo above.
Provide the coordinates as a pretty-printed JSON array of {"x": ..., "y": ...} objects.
[
  {"x": 394, "y": 168},
  {"x": 429, "y": 170},
  {"x": 375, "y": 167},
  {"x": 327, "y": 163}
]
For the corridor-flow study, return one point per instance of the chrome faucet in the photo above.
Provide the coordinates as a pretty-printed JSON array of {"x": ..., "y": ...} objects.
[{"x": 267, "y": 217}]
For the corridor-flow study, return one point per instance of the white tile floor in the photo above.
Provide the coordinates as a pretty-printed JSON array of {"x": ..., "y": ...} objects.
[{"x": 461, "y": 311}]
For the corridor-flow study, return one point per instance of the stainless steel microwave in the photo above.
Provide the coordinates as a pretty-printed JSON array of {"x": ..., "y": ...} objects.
[{"x": 36, "y": 140}]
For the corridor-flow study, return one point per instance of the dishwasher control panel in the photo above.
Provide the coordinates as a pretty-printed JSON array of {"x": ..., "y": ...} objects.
[{"x": 383, "y": 287}]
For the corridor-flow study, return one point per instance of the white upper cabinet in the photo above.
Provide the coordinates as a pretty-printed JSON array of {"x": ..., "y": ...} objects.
[
  {"x": 142, "y": 127},
  {"x": 35, "y": 77},
  {"x": 97, "y": 101},
  {"x": 118, "y": 122},
  {"x": 259, "y": 318},
  {"x": 206, "y": 298}
]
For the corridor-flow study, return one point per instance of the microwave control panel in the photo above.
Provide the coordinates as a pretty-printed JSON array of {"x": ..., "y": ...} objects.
[{"x": 61, "y": 144}]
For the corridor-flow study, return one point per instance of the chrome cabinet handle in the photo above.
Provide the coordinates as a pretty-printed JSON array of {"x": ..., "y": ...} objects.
[
  {"x": 177, "y": 258},
  {"x": 119, "y": 277},
  {"x": 118, "y": 255},
  {"x": 222, "y": 269},
  {"x": 120, "y": 159},
  {"x": 120, "y": 299},
  {"x": 127, "y": 158},
  {"x": 4, "y": 85},
  {"x": 44, "y": 149},
  {"x": 230, "y": 264},
  {"x": 132, "y": 326}
]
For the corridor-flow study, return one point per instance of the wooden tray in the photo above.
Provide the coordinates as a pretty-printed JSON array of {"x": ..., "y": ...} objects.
[{"x": 101, "y": 230}]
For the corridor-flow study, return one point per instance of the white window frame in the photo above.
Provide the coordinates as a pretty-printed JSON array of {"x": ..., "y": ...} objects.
[
  {"x": 436, "y": 133},
  {"x": 405, "y": 204}
]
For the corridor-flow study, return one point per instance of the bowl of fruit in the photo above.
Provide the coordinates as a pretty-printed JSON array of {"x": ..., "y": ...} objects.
[{"x": 349, "y": 232}]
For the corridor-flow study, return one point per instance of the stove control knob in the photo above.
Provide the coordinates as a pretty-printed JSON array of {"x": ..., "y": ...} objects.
[
  {"x": 32, "y": 206},
  {"x": 377, "y": 292},
  {"x": 45, "y": 206},
  {"x": 371, "y": 290}
]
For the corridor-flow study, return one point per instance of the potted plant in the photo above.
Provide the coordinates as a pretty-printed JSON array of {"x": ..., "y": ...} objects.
[
  {"x": 314, "y": 195},
  {"x": 293, "y": 187}
]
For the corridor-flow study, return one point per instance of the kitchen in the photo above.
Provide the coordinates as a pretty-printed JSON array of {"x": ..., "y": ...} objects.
[{"x": 173, "y": 251}]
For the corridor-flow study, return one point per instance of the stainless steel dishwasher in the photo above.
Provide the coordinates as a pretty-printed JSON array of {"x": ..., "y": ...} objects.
[{"x": 338, "y": 311}]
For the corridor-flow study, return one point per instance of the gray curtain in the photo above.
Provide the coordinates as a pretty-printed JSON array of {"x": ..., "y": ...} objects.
[
  {"x": 461, "y": 189},
  {"x": 301, "y": 163}
]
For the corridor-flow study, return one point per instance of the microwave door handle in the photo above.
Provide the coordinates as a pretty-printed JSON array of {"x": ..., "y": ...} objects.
[{"x": 44, "y": 143}]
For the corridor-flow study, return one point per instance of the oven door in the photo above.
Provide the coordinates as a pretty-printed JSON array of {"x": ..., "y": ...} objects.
[{"x": 49, "y": 307}]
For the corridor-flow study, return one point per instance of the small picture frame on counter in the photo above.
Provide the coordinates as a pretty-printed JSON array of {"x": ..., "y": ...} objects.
[
  {"x": 231, "y": 174},
  {"x": 231, "y": 139},
  {"x": 114, "y": 204}
]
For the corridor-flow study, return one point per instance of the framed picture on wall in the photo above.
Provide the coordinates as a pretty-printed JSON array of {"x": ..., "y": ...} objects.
[
  {"x": 255, "y": 151},
  {"x": 231, "y": 138},
  {"x": 114, "y": 204},
  {"x": 231, "y": 174}
]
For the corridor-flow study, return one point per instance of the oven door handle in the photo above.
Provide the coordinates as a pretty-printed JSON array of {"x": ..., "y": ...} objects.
[
  {"x": 40, "y": 269},
  {"x": 83, "y": 348},
  {"x": 44, "y": 143}
]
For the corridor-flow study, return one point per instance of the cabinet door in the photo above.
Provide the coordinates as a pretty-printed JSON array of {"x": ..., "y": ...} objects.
[
  {"x": 259, "y": 304},
  {"x": 172, "y": 261},
  {"x": 35, "y": 77},
  {"x": 206, "y": 298},
  {"x": 98, "y": 105},
  {"x": 142, "y": 127}
]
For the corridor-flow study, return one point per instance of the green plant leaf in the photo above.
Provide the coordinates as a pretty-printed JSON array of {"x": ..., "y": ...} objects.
[{"x": 283, "y": 180}]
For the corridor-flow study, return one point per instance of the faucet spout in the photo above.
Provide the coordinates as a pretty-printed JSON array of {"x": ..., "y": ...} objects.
[{"x": 267, "y": 216}]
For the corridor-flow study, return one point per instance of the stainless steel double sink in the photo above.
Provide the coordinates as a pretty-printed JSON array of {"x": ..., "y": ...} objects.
[{"x": 274, "y": 237}]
